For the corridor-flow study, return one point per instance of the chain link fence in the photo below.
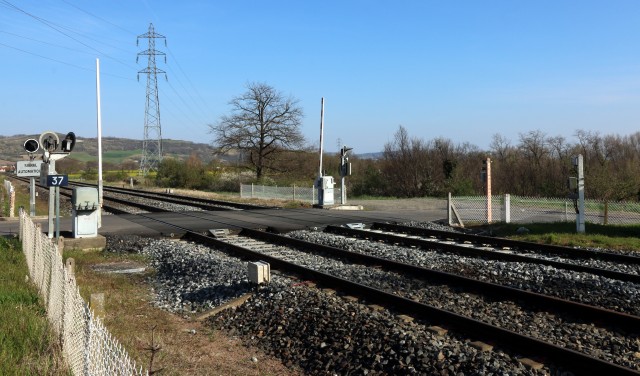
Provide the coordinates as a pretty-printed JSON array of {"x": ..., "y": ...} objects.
[
  {"x": 87, "y": 345},
  {"x": 305, "y": 194},
  {"x": 508, "y": 208}
]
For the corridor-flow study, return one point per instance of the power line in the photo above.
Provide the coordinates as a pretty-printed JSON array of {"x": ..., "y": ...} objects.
[
  {"x": 64, "y": 62},
  {"x": 47, "y": 43},
  {"x": 98, "y": 17},
  {"x": 203, "y": 110},
  {"x": 51, "y": 25},
  {"x": 189, "y": 81},
  {"x": 48, "y": 58}
]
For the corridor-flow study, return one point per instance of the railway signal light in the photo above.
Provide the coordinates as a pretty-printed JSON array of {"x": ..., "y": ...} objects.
[
  {"x": 31, "y": 146},
  {"x": 69, "y": 142},
  {"x": 49, "y": 141}
]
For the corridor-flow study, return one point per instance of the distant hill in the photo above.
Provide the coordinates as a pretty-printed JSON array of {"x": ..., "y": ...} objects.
[
  {"x": 370, "y": 155},
  {"x": 114, "y": 150}
]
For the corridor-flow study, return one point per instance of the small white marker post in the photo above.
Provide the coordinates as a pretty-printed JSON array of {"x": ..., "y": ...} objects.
[{"x": 580, "y": 216}]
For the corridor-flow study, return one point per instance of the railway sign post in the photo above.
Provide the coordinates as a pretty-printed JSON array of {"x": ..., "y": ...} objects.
[
  {"x": 30, "y": 169},
  {"x": 50, "y": 142}
]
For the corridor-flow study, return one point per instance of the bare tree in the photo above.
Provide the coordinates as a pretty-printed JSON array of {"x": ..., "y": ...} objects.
[
  {"x": 263, "y": 123},
  {"x": 405, "y": 164}
]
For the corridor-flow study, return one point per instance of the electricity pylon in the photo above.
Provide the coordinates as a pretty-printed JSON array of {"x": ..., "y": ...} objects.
[{"x": 152, "y": 143}]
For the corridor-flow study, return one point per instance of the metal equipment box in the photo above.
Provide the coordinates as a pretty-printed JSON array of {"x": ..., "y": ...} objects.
[
  {"x": 85, "y": 198},
  {"x": 85, "y": 203}
]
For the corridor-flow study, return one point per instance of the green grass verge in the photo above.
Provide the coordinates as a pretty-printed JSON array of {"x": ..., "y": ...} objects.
[
  {"x": 623, "y": 237},
  {"x": 27, "y": 345}
]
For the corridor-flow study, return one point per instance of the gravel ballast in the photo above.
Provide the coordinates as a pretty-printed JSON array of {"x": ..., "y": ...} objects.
[{"x": 324, "y": 333}]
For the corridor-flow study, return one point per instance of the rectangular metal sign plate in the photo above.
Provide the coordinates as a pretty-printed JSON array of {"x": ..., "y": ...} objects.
[
  {"x": 57, "y": 180},
  {"x": 28, "y": 168}
]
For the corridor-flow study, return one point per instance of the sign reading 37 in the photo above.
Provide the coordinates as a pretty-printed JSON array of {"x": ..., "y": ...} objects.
[{"x": 57, "y": 180}]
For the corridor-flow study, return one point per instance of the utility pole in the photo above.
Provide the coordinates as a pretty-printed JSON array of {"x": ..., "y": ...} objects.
[{"x": 152, "y": 143}]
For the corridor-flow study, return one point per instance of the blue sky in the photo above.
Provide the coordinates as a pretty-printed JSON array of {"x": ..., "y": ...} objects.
[{"x": 462, "y": 70}]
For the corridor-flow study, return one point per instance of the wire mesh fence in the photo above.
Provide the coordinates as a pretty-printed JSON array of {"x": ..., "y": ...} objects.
[
  {"x": 87, "y": 345},
  {"x": 508, "y": 208},
  {"x": 296, "y": 193}
]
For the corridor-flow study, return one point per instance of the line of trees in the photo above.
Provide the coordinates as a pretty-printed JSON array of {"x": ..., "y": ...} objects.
[
  {"x": 263, "y": 128},
  {"x": 537, "y": 165}
]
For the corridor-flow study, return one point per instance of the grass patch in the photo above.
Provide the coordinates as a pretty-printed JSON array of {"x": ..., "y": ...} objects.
[
  {"x": 621, "y": 237},
  {"x": 27, "y": 344},
  {"x": 114, "y": 156}
]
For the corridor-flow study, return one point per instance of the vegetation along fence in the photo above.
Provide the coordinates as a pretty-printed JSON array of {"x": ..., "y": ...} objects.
[
  {"x": 305, "y": 194},
  {"x": 87, "y": 346},
  {"x": 508, "y": 208}
]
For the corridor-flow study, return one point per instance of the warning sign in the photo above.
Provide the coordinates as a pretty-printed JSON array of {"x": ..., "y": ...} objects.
[{"x": 28, "y": 168}]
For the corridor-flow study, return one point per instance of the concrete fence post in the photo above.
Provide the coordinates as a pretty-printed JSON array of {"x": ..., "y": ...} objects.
[
  {"x": 71, "y": 267},
  {"x": 506, "y": 208},
  {"x": 61, "y": 245},
  {"x": 12, "y": 202},
  {"x": 97, "y": 304},
  {"x": 449, "y": 219}
]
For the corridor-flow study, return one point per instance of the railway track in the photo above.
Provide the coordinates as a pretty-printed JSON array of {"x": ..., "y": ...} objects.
[
  {"x": 286, "y": 253},
  {"x": 481, "y": 248},
  {"x": 119, "y": 200},
  {"x": 436, "y": 297},
  {"x": 204, "y": 204}
]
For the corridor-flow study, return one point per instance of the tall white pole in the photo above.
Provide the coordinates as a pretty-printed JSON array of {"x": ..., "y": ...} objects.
[
  {"x": 99, "y": 142},
  {"x": 321, "y": 134}
]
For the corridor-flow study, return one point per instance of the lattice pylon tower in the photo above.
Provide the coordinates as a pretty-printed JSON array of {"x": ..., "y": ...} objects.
[{"x": 152, "y": 143}]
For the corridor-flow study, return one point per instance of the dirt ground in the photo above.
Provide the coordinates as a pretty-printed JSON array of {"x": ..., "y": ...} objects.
[
  {"x": 185, "y": 345},
  {"x": 401, "y": 204}
]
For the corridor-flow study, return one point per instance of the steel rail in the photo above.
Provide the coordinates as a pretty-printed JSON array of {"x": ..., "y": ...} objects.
[
  {"x": 475, "y": 252},
  {"x": 65, "y": 191},
  {"x": 578, "y": 362},
  {"x": 599, "y": 315},
  {"x": 510, "y": 243},
  {"x": 207, "y": 204}
]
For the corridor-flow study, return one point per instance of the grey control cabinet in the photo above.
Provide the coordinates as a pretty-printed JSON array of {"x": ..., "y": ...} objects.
[
  {"x": 85, "y": 212},
  {"x": 325, "y": 186}
]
